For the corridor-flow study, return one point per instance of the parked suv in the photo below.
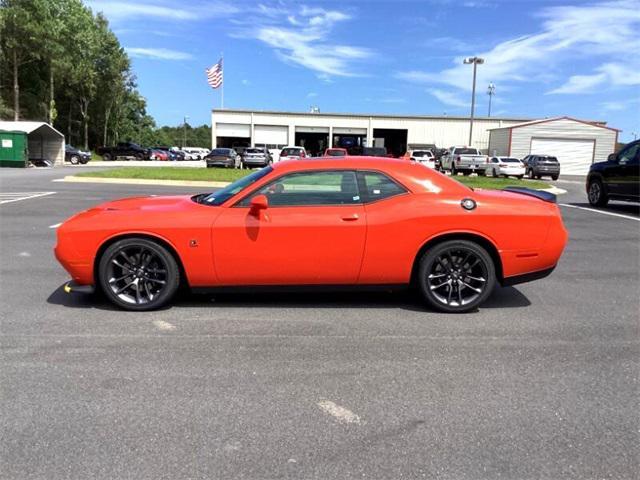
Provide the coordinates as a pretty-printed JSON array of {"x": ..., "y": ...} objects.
[
  {"x": 292, "y": 153},
  {"x": 76, "y": 156},
  {"x": 538, "y": 166},
  {"x": 616, "y": 179},
  {"x": 256, "y": 157}
]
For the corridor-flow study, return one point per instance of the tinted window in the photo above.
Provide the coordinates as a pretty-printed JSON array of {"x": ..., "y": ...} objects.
[
  {"x": 253, "y": 150},
  {"x": 510, "y": 160},
  {"x": 549, "y": 159},
  {"x": 629, "y": 153},
  {"x": 465, "y": 151},
  {"x": 221, "y": 196},
  {"x": 220, "y": 151},
  {"x": 379, "y": 186},
  {"x": 311, "y": 188},
  {"x": 290, "y": 152},
  {"x": 336, "y": 153}
]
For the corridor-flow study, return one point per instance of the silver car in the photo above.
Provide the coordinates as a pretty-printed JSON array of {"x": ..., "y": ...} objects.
[{"x": 256, "y": 157}]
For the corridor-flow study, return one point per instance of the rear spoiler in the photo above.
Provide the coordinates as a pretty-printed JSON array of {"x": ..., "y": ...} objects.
[{"x": 541, "y": 194}]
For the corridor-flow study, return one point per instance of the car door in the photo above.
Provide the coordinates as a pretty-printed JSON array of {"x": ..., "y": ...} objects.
[
  {"x": 625, "y": 178},
  {"x": 312, "y": 232}
]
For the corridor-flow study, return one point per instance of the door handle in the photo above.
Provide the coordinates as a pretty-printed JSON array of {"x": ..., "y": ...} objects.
[{"x": 351, "y": 218}]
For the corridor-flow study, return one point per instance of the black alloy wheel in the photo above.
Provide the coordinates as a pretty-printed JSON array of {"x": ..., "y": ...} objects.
[
  {"x": 138, "y": 274},
  {"x": 456, "y": 276}
]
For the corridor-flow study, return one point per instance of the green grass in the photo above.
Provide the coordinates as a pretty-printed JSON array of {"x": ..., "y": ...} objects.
[
  {"x": 170, "y": 173},
  {"x": 229, "y": 175},
  {"x": 499, "y": 183}
]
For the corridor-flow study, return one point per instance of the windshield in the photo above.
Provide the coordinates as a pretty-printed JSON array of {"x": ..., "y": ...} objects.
[
  {"x": 291, "y": 152},
  {"x": 336, "y": 153},
  {"x": 465, "y": 151},
  {"x": 221, "y": 196}
]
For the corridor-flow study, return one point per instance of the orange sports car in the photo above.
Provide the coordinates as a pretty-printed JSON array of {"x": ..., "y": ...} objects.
[{"x": 355, "y": 221}]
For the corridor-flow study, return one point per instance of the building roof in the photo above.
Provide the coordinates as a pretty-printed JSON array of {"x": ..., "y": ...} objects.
[
  {"x": 27, "y": 127},
  {"x": 373, "y": 115},
  {"x": 593, "y": 123}
]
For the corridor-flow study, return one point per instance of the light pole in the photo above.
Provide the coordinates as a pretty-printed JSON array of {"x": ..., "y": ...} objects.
[
  {"x": 475, "y": 61},
  {"x": 184, "y": 132},
  {"x": 491, "y": 91}
]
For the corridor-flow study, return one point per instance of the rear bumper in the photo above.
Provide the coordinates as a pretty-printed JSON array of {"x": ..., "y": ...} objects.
[
  {"x": 74, "y": 287},
  {"x": 221, "y": 163}
]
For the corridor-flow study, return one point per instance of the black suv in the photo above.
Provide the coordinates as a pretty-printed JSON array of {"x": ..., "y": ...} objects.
[
  {"x": 538, "y": 166},
  {"x": 616, "y": 179}
]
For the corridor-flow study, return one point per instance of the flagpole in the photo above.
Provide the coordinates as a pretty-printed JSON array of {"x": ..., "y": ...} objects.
[{"x": 222, "y": 86}]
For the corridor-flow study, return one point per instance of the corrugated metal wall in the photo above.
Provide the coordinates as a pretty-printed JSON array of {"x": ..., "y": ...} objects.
[
  {"x": 605, "y": 139},
  {"x": 499, "y": 142}
]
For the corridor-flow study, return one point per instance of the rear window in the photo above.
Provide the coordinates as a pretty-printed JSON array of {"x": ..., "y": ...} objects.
[
  {"x": 253, "y": 150},
  {"x": 336, "y": 153},
  {"x": 290, "y": 152},
  {"x": 220, "y": 151},
  {"x": 465, "y": 151},
  {"x": 422, "y": 153},
  {"x": 510, "y": 160},
  {"x": 549, "y": 159}
]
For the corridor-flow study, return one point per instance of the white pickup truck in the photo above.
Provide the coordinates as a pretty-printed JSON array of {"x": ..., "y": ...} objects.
[{"x": 464, "y": 159}]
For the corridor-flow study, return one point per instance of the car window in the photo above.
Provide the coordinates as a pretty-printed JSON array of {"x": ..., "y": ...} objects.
[
  {"x": 378, "y": 186},
  {"x": 629, "y": 153},
  {"x": 221, "y": 196},
  {"x": 510, "y": 160},
  {"x": 220, "y": 151},
  {"x": 290, "y": 152},
  {"x": 330, "y": 187},
  {"x": 466, "y": 151},
  {"x": 495, "y": 160},
  {"x": 253, "y": 150}
]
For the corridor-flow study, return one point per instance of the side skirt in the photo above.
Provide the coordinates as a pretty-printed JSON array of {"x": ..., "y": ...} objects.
[{"x": 298, "y": 288}]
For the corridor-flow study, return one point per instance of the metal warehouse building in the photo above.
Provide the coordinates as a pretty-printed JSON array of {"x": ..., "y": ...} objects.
[
  {"x": 317, "y": 131},
  {"x": 576, "y": 143}
]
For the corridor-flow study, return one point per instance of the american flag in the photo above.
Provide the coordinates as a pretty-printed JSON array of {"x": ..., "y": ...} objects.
[{"x": 214, "y": 75}]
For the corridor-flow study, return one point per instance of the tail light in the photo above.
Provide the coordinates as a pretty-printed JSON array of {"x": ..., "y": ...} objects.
[{"x": 302, "y": 154}]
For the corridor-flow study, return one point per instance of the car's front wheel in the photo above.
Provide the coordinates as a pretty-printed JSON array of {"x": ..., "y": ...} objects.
[
  {"x": 456, "y": 276},
  {"x": 596, "y": 194},
  {"x": 531, "y": 175},
  {"x": 75, "y": 160},
  {"x": 138, "y": 274}
]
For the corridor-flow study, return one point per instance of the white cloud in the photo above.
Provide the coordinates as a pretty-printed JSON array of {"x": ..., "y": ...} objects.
[
  {"x": 570, "y": 37},
  {"x": 116, "y": 10},
  {"x": 448, "y": 98},
  {"x": 158, "y": 53},
  {"x": 312, "y": 95},
  {"x": 303, "y": 39}
]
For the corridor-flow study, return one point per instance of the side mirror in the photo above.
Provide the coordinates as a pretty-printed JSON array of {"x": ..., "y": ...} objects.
[
  {"x": 612, "y": 158},
  {"x": 259, "y": 202}
]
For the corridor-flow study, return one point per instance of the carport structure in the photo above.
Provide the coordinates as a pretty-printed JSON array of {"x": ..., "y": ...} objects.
[{"x": 43, "y": 141}]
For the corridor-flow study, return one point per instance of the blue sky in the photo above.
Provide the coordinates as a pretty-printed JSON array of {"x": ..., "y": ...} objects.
[{"x": 546, "y": 58}]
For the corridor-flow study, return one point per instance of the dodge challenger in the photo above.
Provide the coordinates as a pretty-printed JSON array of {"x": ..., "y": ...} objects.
[{"x": 361, "y": 222}]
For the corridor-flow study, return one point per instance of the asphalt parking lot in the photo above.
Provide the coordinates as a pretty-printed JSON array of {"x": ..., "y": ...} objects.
[{"x": 542, "y": 382}]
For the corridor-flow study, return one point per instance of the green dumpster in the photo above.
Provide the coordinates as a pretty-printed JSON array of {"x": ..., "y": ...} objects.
[{"x": 13, "y": 149}]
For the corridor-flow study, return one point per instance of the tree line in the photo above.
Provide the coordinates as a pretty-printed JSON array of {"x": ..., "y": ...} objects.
[{"x": 61, "y": 63}]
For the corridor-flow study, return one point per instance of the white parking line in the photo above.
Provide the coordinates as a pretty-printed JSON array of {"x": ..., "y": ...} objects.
[
  {"x": 18, "y": 196},
  {"x": 600, "y": 211},
  {"x": 341, "y": 414}
]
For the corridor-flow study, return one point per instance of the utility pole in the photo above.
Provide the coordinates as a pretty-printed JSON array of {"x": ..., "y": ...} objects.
[
  {"x": 184, "y": 132},
  {"x": 491, "y": 91},
  {"x": 475, "y": 61}
]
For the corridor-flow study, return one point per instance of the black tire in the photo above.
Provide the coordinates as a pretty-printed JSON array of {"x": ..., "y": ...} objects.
[
  {"x": 140, "y": 156},
  {"x": 461, "y": 261},
  {"x": 209, "y": 166},
  {"x": 454, "y": 172},
  {"x": 106, "y": 157},
  {"x": 466, "y": 173},
  {"x": 75, "y": 160},
  {"x": 530, "y": 174},
  {"x": 554, "y": 177},
  {"x": 495, "y": 173},
  {"x": 482, "y": 173},
  {"x": 138, "y": 274},
  {"x": 519, "y": 177},
  {"x": 539, "y": 177},
  {"x": 597, "y": 194}
]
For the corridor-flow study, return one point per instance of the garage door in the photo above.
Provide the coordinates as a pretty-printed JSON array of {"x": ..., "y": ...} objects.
[
  {"x": 575, "y": 156},
  {"x": 233, "y": 130},
  {"x": 270, "y": 135}
]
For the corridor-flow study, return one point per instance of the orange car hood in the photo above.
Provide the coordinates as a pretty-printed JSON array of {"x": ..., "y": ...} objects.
[{"x": 150, "y": 203}]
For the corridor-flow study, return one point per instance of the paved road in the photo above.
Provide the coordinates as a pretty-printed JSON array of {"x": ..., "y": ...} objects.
[{"x": 542, "y": 382}]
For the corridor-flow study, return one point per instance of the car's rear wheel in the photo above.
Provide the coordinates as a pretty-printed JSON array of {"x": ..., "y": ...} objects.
[
  {"x": 530, "y": 174},
  {"x": 554, "y": 177},
  {"x": 453, "y": 170},
  {"x": 138, "y": 274},
  {"x": 456, "y": 276},
  {"x": 106, "y": 157},
  {"x": 495, "y": 173},
  {"x": 596, "y": 194},
  {"x": 75, "y": 160}
]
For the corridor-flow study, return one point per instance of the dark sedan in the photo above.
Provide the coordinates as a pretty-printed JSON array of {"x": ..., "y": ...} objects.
[
  {"x": 76, "y": 156},
  {"x": 223, "y": 157}
]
